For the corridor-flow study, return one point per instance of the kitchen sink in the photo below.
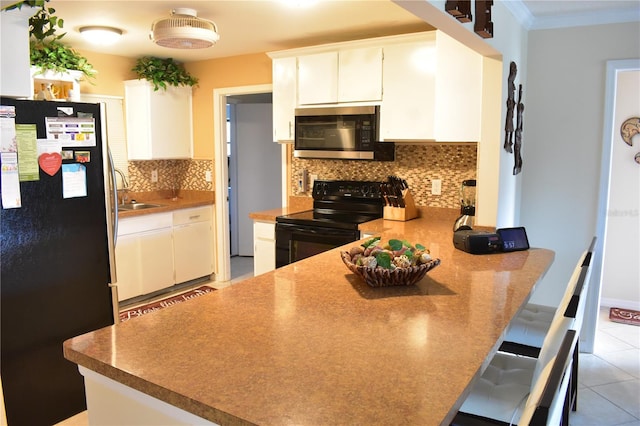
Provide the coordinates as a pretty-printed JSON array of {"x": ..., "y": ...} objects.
[{"x": 137, "y": 206}]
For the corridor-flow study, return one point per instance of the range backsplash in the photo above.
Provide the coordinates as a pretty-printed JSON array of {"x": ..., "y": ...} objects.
[
  {"x": 418, "y": 164},
  {"x": 172, "y": 174}
]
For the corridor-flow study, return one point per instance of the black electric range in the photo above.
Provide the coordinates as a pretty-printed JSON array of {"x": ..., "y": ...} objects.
[{"x": 339, "y": 206}]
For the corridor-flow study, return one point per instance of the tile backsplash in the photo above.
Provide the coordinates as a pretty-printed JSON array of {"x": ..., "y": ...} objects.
[
  {"x": 418, "y": 164},
  {"x": 172, "y": 174}
]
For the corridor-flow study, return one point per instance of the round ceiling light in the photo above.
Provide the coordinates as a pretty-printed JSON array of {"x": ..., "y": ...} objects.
[
  {"x": 184, "y": 30},
  {"x": 101, "y": 35}
]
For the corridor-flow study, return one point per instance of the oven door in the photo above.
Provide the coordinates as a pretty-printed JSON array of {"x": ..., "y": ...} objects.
[{"x": 297, "y": 242}]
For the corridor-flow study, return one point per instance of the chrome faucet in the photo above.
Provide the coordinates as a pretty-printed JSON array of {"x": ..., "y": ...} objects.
[{"x": 125, "y": 186}]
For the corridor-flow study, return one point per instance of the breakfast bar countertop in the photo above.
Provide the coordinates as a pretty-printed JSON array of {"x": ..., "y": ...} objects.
[{"x": 311, "y": 344}]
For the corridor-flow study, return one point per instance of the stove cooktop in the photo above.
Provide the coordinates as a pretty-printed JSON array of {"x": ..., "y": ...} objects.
[
  {"x": 313, "y": 219},
  {"x": 340, "y": 204}
]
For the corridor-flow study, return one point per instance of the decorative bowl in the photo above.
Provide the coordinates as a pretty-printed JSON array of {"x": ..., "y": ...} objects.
[{"x": 382, "y": 277}]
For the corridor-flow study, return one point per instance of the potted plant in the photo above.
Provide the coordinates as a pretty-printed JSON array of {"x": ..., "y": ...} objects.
[
  {"x": 47, "y": 52},
  {"x": 163, "y": 71}
]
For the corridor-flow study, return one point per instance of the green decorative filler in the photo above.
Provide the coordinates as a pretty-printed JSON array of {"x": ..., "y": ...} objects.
[
  {"x": 396, "y": 263},
  {"x": 395, "y": 254},
  {"x": 163, "y": 71}
]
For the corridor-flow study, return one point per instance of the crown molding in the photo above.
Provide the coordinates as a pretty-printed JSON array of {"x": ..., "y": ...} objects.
[
  {"x": 521, "y": 12},
  {"x": 600, "y": 17}
]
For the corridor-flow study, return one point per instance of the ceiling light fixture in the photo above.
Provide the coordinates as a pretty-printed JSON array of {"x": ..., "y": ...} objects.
[
  {"x": 184, "y": 30},
  {"x": 101, "y": 35},
  {"x": 299, "y": 3}
]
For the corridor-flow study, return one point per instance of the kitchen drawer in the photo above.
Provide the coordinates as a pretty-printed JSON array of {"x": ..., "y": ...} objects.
[
  {"x": 144, "y": 223},
  {"x": 193, "y": 215},
  {"x": 264, "y": 230}
]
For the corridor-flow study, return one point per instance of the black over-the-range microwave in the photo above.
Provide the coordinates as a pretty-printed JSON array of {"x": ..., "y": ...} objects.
[{"x": 347, "y": 133}]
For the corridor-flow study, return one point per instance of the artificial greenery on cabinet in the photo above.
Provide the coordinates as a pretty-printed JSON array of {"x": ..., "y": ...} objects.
[
  {"x": 163, "y": 71},
  {"x": 47, "y": 52}
]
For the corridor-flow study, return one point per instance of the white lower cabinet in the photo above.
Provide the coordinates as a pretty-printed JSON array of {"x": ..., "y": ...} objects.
[
  {"x": 156, "y": 251},
  {"x": 192, "y": 243},
  {"x": 264, "y": 247},
  {"x": 144, "y": 254}
]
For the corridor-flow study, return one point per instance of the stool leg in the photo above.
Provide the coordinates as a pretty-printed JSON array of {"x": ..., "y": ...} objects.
[{"x": 574, "y": 378}]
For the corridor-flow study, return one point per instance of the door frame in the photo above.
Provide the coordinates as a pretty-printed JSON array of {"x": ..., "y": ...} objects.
[
  {"x": 222, "y": 243},
  {"x": 587, "y": 337}
]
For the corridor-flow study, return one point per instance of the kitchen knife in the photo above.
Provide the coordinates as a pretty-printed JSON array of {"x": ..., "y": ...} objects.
[
  {"x": 396, "y": 185},
  {"x": 383, "y": 192},
  {"x": 391, "y": 194}
]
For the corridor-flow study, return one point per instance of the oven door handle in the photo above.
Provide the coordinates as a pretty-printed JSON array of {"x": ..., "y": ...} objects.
[{"x": 310, "y": 230}]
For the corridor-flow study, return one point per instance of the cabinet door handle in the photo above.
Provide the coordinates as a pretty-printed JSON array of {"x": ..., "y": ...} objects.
[{"x": 194, "y": 217}]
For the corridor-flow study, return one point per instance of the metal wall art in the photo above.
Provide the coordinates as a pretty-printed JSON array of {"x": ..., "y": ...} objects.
[
  {"x": 510, "y": 130},
  {"x": 630, "y": 127}
]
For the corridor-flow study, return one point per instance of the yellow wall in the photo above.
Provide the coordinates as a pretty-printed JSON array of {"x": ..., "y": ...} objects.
[
  {"x": 213, "y": 74},
  {"x": 112, "y": 71}
]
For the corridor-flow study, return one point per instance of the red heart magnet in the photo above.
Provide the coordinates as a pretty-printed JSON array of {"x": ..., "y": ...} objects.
[{"x": 50, "y": 162}]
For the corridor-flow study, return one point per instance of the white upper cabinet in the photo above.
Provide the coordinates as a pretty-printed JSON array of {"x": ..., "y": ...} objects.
[
  {"x": 14, "y": 52},
  {"x": 432, "y": 91},
  {"x": 158, "y": 122},
  {"x": 428, "y": 85},
  {"x": 360, "y": 75},
  {"x": 340, "y": 76},
  {"x": 409, "y": 83},
  {"x": 458, "y": 91},
  {"x": 318, "y": 78},
  {"x": 284, "y": 98}
]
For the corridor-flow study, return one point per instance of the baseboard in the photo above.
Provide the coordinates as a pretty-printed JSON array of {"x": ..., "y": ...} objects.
[{"x": 620, "y": 303}]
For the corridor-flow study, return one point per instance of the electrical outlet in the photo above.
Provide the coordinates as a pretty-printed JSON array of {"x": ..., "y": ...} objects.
[
  {"x": 207, "y": 176},
  {"x": 154, "y": 175},
  {"x": 436, "y": 187}
]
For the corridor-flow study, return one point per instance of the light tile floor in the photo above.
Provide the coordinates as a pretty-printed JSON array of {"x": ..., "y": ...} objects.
[
  {"x": 608, "y": 380},
  {"x": 241, "y": 268}
]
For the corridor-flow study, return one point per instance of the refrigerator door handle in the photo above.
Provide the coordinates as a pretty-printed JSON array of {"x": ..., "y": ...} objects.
[{"x": 112, "y": 168}]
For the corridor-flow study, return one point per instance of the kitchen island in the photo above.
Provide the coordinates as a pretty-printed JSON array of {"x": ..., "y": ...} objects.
[{"x": 311, "y": 344}]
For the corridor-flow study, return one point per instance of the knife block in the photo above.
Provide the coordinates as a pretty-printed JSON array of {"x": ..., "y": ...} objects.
[{"x": 402, "y": 214}]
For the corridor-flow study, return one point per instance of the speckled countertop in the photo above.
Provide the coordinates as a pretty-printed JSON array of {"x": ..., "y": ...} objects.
[
  {"x": 296, "y": 204},
  {"x": 310, "y": 344},
  {"x": 167, "y": 201}
]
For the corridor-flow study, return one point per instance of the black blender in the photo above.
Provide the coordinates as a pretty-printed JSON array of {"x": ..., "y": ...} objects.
[{"x": 468, "y": 205}]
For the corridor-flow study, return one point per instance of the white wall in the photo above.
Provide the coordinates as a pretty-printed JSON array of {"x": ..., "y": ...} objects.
[
  {"x": 498, "y": 189},
  {"x": 621, "y": 268},
  {"x": 563, "y": 126},
  {"x": 259, "y": 162}
]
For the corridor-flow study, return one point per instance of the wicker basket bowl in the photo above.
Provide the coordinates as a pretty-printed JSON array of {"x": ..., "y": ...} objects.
[{"x": 381, "y": 277}]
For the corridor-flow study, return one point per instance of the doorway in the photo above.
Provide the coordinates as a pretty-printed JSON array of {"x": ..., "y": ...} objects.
[
  {"x": 604, "y": 230},
  {"x": 248, "y": 170}
]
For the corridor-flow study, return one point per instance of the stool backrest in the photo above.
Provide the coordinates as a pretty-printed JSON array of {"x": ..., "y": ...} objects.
[
  {"x": 560, "y": 323},
  {"x": 572, "y": 307},
  {"x": 546, "y": 402}
]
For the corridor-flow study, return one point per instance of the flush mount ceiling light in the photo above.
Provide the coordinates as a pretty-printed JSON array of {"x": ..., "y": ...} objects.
[
  {"x": 184, "y": 30},
  {"x": 101, "y": 35}
]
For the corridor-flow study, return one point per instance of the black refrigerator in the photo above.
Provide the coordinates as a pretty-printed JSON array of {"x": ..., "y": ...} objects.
[{"x": 57, "y": 258}]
